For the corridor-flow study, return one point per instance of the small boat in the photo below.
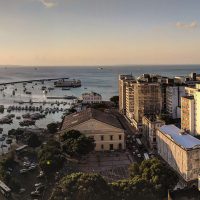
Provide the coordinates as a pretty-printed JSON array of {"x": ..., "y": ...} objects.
[
  {"x": 100, "y": 68},
  {"x": 65, "y": 88}
]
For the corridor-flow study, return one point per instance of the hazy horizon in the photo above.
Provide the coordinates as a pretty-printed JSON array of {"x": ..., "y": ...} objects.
[{"x": 99, "y": 32}]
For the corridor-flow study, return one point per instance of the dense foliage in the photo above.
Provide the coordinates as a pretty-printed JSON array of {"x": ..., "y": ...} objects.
[
  {"x": 115, "y": 100},
  {"x": 50, "y": 157},
  {"x": 155, "y": 173},
  {"x": 52, "y": 127},
  {"x": 82, "y": 186},
  {"x": 149, "y": 180},
  {"x": 77, "y": 144},
  {"x": 6, "y": 164},
  {"x": 34, "y": 141}
]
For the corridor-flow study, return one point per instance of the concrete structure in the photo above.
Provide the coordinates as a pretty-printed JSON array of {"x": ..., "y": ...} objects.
[
  {"x": 173, "y": 100},
  {"x": 190, "y": 110},
  {"x": 91, "y": 97},
  {"x": 180, "y": 150},
  {"x": 130, "y": 100},
  {"x": 187, "y": 114},
  {"x": 149, "y": 126},
  {"x": 103, "y": 127},
  {"x": 147, "y": 100},
  {"x": 197, "y": 112},
  {"x": 122, "y": 82}
]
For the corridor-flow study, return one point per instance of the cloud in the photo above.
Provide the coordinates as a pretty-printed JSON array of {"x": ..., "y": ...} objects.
[
  {"x": 187, "y": 26},
  {"x": 48, "y": 3}
]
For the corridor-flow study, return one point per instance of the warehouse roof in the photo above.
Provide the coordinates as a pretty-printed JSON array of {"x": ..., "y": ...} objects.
[{"x": 183, "y": 139}]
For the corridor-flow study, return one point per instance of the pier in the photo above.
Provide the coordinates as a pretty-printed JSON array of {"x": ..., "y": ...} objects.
[{"x": 34, "y": 80}]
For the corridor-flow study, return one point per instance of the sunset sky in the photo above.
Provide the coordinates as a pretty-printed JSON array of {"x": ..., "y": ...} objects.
[{"x": 99, "y": 32}]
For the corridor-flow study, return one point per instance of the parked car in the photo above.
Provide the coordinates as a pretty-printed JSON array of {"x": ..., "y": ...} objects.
[
  {"x": 38, "y": 184},
  {"x": 139, "y": 155},
  {"x": 22, "y": 171}
]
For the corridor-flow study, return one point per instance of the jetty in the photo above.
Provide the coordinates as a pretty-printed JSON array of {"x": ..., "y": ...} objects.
[{"x": 34, "y": 80}]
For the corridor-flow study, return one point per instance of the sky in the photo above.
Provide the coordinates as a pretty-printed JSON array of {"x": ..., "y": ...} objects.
[{"x": 99, "y": 32}]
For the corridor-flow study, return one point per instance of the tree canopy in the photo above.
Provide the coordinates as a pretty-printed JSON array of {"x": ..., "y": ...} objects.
[
  {"x": 115, "y": 100},
  {"x": 34, "y": 141},
  {"x": 52, "y": 127},
  {"x": 82, "y": 186},
  {"x": 156, "y": 173},
  {"x": 50, "y": 157},
  {"x": 77, "y": 144}
]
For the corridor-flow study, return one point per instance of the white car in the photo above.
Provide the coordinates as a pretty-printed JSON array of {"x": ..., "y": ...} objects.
[
  {"x": 38, "y": 184},
  {"x": 22, "y": 190},
  {"x": 139, "y": 155},
  {"x": 23, "y": 171}
]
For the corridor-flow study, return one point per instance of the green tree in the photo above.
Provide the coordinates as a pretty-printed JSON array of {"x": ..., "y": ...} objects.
[
  {"x": 77, "y": 144},
  {"x": 82, "y": 186},
  {"x": 34, "y": 141},
  {"x": 72, "y": 134},
  {"x": 52, "y": 127},
  {"x": 129, "y": 189},
  {"x": 156, "y": 173},
  {"x": 115, "y": 100},
  {"x": 50, "y": 157}
]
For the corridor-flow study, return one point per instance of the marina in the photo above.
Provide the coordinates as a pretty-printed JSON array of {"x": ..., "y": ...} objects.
[{"x": 32, "y": 103}]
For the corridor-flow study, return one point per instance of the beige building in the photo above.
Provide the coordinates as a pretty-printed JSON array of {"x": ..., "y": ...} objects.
[
  {"x": 180, "y": 150},
  {"x": 103, "y": 127},
  {"x": 91, "y": 97},
  {"x": 149, "y": 126},
  {"x": 190, "y": 110},
  {"x": 122, "y": 83},
  {"x": 188, "y": 114},
  {"x": 147, "y": 100},
  {"x": 130, "y": 100}
]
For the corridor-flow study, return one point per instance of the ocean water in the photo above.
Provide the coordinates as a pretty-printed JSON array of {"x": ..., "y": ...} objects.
[{"x": 102, "y": 81}]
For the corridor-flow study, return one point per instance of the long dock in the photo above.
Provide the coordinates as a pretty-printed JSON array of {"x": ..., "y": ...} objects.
[{"x": 34, "y": 80}]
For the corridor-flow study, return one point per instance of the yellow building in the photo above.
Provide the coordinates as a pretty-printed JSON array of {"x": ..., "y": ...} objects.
[
  {"x": 103, "y": 127},
  {"x": 122, "y": 83}
]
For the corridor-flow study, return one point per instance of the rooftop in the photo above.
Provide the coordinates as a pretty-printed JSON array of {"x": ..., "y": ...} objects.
[
  {"x": 183, "y": 139},
  {"x": 90, "y": 113}
]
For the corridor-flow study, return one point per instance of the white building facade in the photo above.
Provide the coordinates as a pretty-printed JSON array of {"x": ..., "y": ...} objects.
[
  {"x": 180, "y": 150},
  {"x": 91, "y": 97},
  {"x": 173, "y": 100}
]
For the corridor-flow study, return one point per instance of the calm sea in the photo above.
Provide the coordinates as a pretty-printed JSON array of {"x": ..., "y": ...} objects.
[{"x": 102, "y": 81}]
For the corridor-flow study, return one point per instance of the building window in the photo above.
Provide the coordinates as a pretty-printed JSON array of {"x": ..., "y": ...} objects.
[
  {"x": 111, "y": 137},
  {"x": 102, "y": 146},
  {"x": 120, "y": 137},
  {"x": 102, "y": 137},
  {"x": 111, "y": 146},
  {"x": 120, "y": 146}
]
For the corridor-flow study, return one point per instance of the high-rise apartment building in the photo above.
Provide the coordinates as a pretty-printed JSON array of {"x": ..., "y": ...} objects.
[
  {"x": 173, "y": 100},
  {"x": 130, "y": 100},
  {"x": 147, "y": 100},
  {"x": 123, "y": 81},
  {"x": 190, "y": 110},
  {"x": 187, "y": 114}
]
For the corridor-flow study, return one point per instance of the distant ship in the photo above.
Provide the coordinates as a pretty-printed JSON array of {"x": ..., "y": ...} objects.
[
  {"x": 100, "y": 68},
  {"x": 67, "y": 83}
]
